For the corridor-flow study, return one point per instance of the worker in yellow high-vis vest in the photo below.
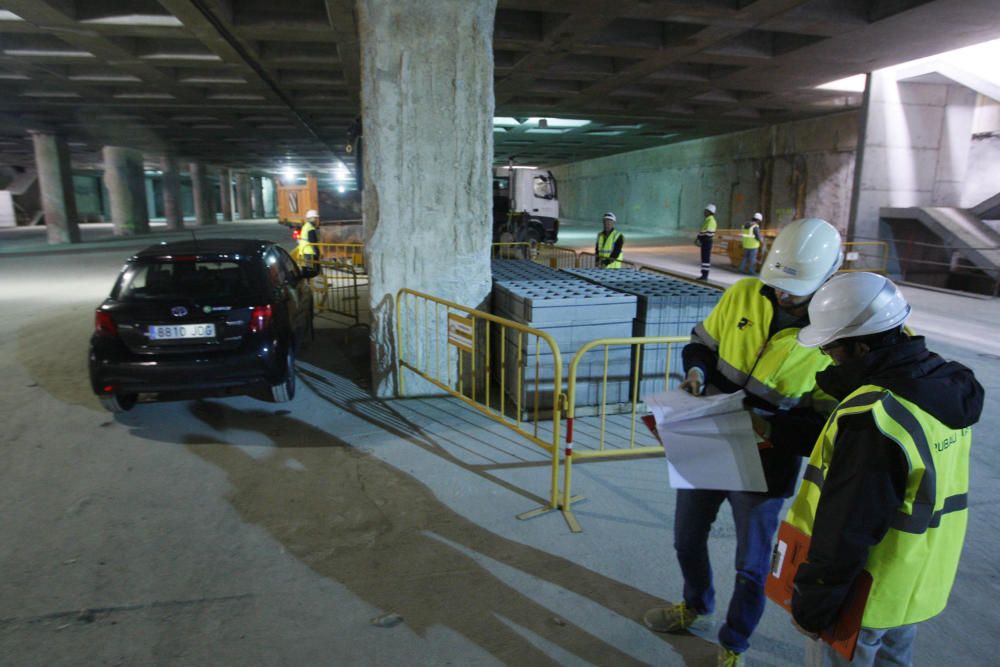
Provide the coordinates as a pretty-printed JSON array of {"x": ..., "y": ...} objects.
[
  {"x": 750, "y": 236},
  {"x": 308, "y": 238},
  {"x": 705, "y": 238},
  {"x": 886, "y": 486},
  {"x": 609, "y": 243},
  {"x": 748, "y": 344}
]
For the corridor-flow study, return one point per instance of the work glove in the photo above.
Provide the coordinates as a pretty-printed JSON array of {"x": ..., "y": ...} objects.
[{"x": 694, "y": 382}]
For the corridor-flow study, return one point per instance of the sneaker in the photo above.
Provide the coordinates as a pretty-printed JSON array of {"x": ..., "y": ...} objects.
[
  {"x": 676, "y": 618},
  {"x": 727, "y": 658}
]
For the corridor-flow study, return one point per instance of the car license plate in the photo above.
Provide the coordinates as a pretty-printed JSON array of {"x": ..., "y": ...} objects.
[{"x": 174, "y": 331}]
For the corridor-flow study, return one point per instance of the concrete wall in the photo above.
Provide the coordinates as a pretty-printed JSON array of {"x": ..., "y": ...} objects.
[
  {"x": 786, "y": 171},
  {"x": 983, "y": 175}
]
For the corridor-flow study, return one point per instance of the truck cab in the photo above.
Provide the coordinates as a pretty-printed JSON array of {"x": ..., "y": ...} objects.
[{"x": 525, "y": 205}]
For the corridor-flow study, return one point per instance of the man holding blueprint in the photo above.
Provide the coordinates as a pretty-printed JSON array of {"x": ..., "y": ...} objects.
[{"x": 747, "y": 348}]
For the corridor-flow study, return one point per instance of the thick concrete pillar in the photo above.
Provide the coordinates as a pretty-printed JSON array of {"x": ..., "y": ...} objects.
[
  {"x": 55, "y": 181},
  {"x": 203, "y": 194},
  {"x": 172, "y": 209},
  {"x": 257, "y": 196},
  {"x": 427, "y": 110},
  {"x": 125, "y": 181},
  {"x": 243, "y": 211},
  {"x": 226, "y": 190}
]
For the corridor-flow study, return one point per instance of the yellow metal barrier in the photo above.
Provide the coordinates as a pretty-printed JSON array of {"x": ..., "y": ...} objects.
[
  {"x": 507, "y": 371},
  {"x": 729, "y": 242},
  {"x": 865, "y": 256},
  {"x": 513, "y": 250},
  {"x": 647, "y": 352},
  {"x": 556, "y": 257},
  {"x": 588, "y": 260},
  {"x": 336, "y": 289}
]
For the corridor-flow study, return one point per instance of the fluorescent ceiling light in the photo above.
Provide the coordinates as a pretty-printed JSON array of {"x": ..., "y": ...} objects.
[
  {"x": 851, "y": 84},
  {"x": 289, "y": 172},
  {"x": 104, "y": 77},
  {"x": 555, "y": 122},
  {"x": 14, "y": 77},
  {"x": 48, "y": 93},
  {"x": 505, "y": 121},
  {"x": 156, "y": 20},
  {"x": 341, "y": 189},
  {"x": 544, "y": 130},
  {"x": 213, "y": 79},
  {"x": 6, "y": 15},
  {"x": 180, "y": 56},
  {"x": 606, "y": 133},
  {"x": 48, "y": 53},
  {"x": 144, "y": 96},
  {"x": 516, "y": 166},
  {"x": 235, "y": 96}
]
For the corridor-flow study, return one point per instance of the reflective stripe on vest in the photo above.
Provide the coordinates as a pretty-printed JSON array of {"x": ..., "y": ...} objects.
[
  {"x": 749, "y": 238},
  {"x": 605, "y": 244},
  {"x": 914, "y": 565},
  {"x": 778, "y": 370}
]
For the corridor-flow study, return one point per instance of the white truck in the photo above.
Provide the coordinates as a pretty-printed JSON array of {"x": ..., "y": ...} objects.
[{"x": 525, "y": 205}]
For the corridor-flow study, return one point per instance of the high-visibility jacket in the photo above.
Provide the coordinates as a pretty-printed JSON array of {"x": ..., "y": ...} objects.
[
  {"x": 605, "y": 244},
  {"x": 749, "y": 234},
  {"x": 775, "y": 368},
  {"x": 914, "y": 565},
  {"x": 307, "y": 237},
  {"x": 708, "y": 227}
]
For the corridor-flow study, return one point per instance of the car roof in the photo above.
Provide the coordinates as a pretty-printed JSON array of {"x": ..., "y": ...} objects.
[{"x": 205, "y": 247}]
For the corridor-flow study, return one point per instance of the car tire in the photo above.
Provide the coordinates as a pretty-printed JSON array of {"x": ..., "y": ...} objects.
[
  {"x": 285, "y": 391},
  {"x": 117, "y": 403}
]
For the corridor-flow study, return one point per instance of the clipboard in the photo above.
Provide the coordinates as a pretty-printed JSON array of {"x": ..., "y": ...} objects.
[{"x": 790, "y": 551}]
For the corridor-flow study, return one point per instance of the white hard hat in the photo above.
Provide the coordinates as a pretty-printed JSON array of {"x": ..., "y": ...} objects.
[
  {"x": 853, "y": 304},
  {"x": 312, "y": 213},
  {"x": 710, "y": 208},
  {"x": 609, "y": 216},
  {"x": 804, "y": 255},
  {"x": 758, "y": 216}
]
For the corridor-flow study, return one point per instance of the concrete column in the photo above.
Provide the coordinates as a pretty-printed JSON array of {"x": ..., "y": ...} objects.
[
  {"x": 257, "y": 196},
  {"x": 124, "y": 179},
  {"x": 172, "y": 210},
  {"x": 243, "y": 211},
  {"x": 226, "y": 190},
  {"x": 427, "y": 105},
  {"x": 55, "y": 181},
  {"x": 203, "y": 195}
]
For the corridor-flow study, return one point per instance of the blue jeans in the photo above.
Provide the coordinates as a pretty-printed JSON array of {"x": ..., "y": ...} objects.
[
  {"x": 748, "y": 264},
  {"x": 756, "y": 518},
  {"x": 876, "y": 648}
]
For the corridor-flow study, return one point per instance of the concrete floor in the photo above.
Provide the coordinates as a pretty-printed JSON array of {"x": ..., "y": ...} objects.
[{"x": 342, "y": 530}]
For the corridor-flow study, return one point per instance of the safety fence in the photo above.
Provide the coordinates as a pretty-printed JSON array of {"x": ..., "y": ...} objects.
[
  {"x": 870, "y": 256},
  {"x": 504, "y": 369},
  {"x": 337, "y": 288}
]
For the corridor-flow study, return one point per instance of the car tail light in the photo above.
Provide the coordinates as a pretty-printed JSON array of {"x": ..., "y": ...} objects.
[
  {"x": 296, "y": 234},
  {"x": 260, "y": 318},
  {"x": 104, "y": 325}
]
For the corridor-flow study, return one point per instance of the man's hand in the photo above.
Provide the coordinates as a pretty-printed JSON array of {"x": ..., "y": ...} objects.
[{"x": 694, "y": 383}]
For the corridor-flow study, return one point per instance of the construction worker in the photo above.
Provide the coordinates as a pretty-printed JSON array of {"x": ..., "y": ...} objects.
[
  {"x": 705, "y": 238},
  {"x": 748, "y": 343},
  {"x": 886, "y": 486},
  {"x": 750, "y": 235},
  {"x": 609, "y": 244},
  {"x": 308, "y": 237}
]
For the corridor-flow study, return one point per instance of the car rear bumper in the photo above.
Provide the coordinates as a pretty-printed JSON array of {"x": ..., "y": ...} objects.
[{"x": 128, "y": 373}]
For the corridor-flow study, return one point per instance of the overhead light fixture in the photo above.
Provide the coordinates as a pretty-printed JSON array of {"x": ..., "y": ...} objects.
[
  {"x": 548, "y": 122},
  {"x": 850, "y": 84},
  {"x": 152, "y": 20},
  {"x": 289, "y": 172},
  {"x": 47, "y": 53}
]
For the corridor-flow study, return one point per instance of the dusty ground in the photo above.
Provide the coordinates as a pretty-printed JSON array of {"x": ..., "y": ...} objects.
[{"x": 340, "y": 530}]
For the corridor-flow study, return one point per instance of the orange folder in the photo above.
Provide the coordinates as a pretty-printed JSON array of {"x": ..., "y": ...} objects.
[{"x": 790, "y": 551}]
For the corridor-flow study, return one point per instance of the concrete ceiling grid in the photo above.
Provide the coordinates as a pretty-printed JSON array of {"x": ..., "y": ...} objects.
[
  {"x": 255, "y": 85},
  {"x": 234, "y": 83}
]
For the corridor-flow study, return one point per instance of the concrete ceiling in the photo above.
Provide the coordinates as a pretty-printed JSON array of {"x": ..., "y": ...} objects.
[{"x": 253, "y": 83}]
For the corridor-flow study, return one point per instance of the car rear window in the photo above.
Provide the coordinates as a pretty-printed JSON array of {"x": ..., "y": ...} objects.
[{"x": 222, "y": 279}]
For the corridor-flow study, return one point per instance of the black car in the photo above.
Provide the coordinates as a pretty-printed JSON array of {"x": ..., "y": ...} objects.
[{"x": 201, "y": 317}]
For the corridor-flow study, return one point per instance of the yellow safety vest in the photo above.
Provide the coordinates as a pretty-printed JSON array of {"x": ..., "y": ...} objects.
[
  {"x": 749, "y": 238},
  {"x": 914, "y": 565},
  {"x": 605, "y": 244},
  {"x": 778, "y": 370},
  {"x": 708, "y": 227},
  {"x": 305, "y": 247}
]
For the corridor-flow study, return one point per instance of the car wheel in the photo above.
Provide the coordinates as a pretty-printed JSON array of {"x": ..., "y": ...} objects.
[
  {"x": 117, "y": 403},
  {"x": 285, "y": 391}
]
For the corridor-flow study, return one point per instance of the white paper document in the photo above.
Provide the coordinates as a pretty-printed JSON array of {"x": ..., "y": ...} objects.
[{"x": 709, "y": 441}]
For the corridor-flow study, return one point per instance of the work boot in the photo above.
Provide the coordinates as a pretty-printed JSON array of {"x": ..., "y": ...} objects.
[
  {"x": 676, "y": 618},
  {"x": 727, "y": 658}
]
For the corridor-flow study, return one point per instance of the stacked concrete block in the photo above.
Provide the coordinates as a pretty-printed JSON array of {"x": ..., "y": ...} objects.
[
  {"x": 573, "y": 312},
  {"x": 665, "y": 307}
]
